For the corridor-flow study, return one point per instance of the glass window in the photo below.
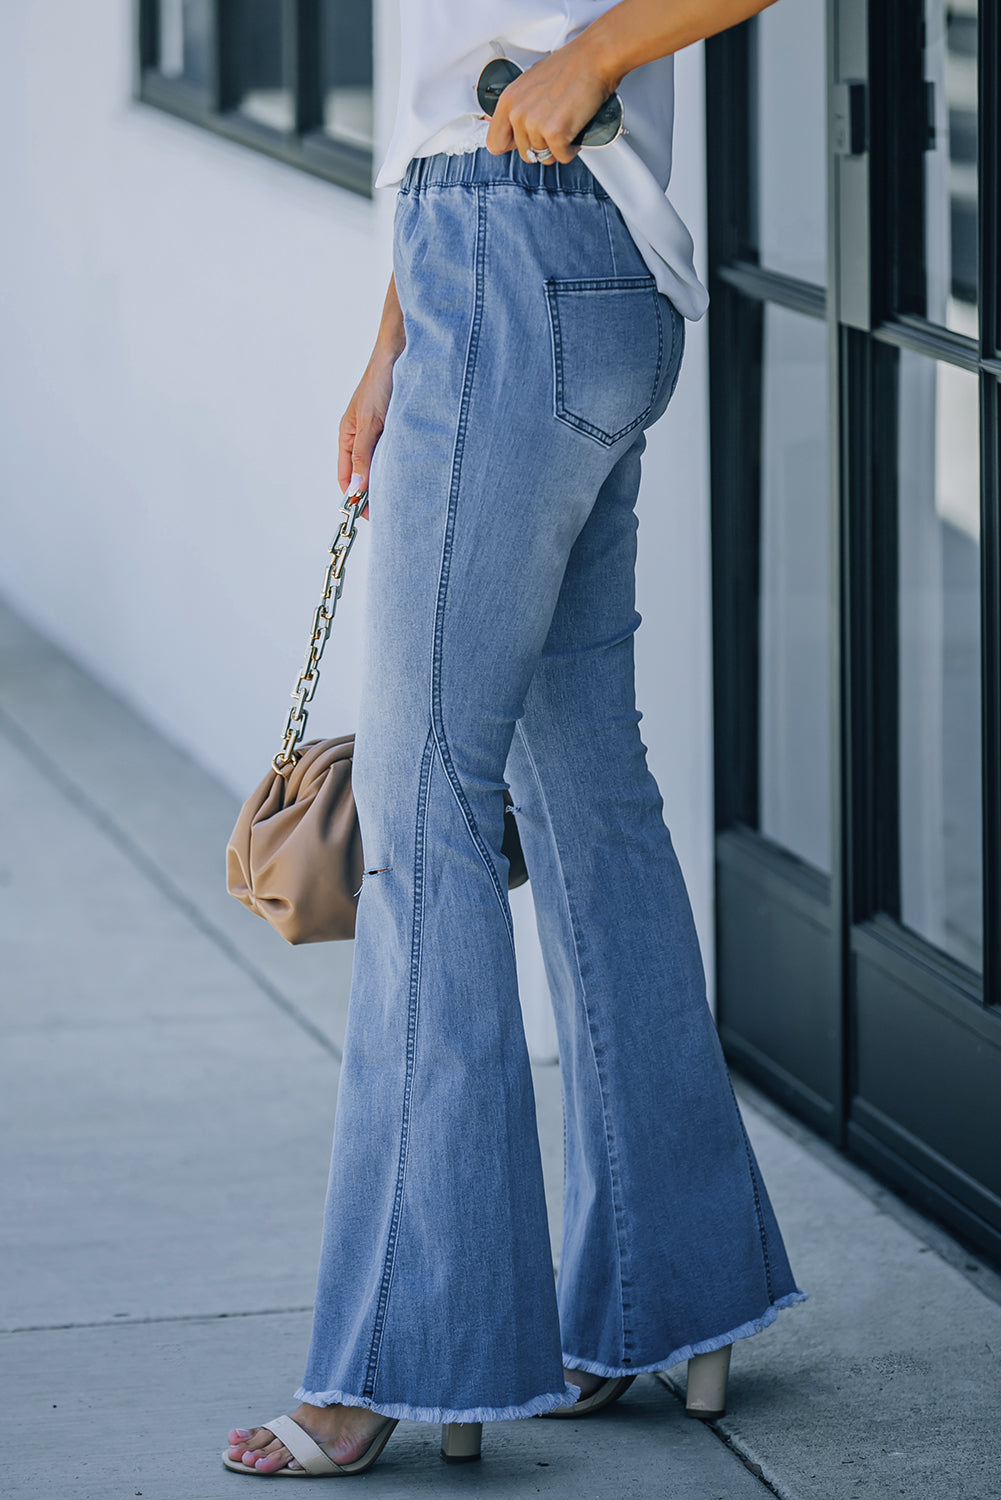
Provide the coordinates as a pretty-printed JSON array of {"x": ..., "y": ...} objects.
[
  {"x": 791, "y": 146},
  {"x": 794, "y": 643},
  {"x": 346, "y": 71},
  {"x": 259, "y": 64},
  {"x": 184, "y": 39},
  {"x": 292, "y": 78},
  {"x": 950, "y": 171},
  {"x": 939, "y": 656}
]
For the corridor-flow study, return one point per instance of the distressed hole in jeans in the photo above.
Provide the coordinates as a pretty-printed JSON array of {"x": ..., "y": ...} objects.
[{"x": 365, "y": 875}]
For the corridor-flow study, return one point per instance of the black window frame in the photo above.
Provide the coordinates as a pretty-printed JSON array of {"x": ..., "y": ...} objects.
[
  {"x": 214, "y": 107},
  {"x": 889, "y": 1046}
]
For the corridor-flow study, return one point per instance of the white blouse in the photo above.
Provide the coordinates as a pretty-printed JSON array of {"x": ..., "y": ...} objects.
[{"x": 444, "y": 46}]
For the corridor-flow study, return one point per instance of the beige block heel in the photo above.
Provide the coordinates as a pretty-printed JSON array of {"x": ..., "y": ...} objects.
[
  {"x": 707, "y": 1378},
  {"x": 460, "y": 1442}
]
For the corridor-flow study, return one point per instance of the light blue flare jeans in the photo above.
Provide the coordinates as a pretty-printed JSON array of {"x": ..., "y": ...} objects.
[{"x": 499, "y": 651}]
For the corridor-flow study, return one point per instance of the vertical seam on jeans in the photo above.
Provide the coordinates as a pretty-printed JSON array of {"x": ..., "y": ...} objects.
[
  {"x": 617, "y": 1213},
  {"x": 676, "y": 323},
  {"x": 416, "y": 943},
  {"x": 756, "y": 1192},
  {"x": 437, "y": 717},
  {"x": 608, "y": 231}
]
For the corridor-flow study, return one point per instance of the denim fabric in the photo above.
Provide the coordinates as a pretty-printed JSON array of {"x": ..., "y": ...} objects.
[{"x": 499, "y": 650}]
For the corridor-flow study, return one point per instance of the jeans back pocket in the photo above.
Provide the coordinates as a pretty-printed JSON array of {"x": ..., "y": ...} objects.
[{"x": 608, "y": 352}]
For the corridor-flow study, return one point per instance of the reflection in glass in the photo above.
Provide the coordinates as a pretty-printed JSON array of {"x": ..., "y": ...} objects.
[
  {"x": 791, "y": 146},
  {"x": 951, "y": 163},
  {"x": 259, "y": 64},
  {"x": 184, "y": 40},
  {"x": 794, "y": 673},
  {"x": 939, "y": 657},
  {"x": 346, "y": 70}
]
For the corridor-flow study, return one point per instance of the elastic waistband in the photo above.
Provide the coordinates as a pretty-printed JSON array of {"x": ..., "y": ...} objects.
[{"x": 473, "y": 168}]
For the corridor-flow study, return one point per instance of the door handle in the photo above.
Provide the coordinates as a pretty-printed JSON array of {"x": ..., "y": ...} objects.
[{"x": 850, "y": 119}]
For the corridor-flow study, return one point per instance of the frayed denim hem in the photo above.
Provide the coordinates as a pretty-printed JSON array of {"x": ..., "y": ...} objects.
[
  {"x": 537, "y": 1407},
  {"x": 707, "y": 1346}
]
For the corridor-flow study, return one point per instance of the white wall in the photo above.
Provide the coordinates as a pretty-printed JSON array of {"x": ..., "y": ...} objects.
[{"x": 183, "y": 321}]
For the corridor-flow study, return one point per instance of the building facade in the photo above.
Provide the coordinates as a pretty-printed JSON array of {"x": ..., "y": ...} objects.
[
  {"x": 853, "y": 222},
  {"x": 194, "y": 272}
]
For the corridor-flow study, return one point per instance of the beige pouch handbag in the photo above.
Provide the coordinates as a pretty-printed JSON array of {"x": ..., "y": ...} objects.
[{"x": 295, "y": 856}]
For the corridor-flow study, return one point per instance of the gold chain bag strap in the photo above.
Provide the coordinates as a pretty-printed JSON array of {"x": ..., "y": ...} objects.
[{"x": 295, "y": 856}]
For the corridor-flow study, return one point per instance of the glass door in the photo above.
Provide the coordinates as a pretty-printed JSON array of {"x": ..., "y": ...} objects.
[
  {"x": 856, "y": 400},
  {"x": 775, "y": 635}
]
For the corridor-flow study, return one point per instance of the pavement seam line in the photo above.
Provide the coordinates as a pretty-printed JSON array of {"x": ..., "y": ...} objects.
[
  {"x": 21, "y": 741},
  {"x": 751, "y": 1460},
  {"x": 209, "y": 1317}
]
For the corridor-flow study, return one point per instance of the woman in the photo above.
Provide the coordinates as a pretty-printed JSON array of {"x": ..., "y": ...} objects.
[{"x": 532, "y": 332}]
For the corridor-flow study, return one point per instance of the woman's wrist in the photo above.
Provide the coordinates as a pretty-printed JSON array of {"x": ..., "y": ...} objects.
[{"x": 599, "y": 51}]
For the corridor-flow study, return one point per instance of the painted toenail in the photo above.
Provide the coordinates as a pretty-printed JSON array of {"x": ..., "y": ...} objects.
[{"x": 241, "y": 1432}]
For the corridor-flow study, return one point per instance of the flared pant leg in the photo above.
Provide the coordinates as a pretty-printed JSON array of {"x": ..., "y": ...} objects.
[
  {"x": 537, "y": 350},
  {"x": 670, "y": 1246}
]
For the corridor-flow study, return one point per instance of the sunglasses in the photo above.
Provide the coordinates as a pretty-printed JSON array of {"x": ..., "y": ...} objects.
[{"x": 604, "y": 128}]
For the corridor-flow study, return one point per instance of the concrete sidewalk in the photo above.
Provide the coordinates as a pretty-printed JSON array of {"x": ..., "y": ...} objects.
[{"x": 170, "y": 1069}]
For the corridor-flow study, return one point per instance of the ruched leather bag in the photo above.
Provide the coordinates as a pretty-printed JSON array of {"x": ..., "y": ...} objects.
[{"x": 295, "y": 857}]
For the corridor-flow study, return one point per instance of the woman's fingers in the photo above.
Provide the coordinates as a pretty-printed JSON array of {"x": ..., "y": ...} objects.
[
  {"x": 362, "y": 424},
  {"x": 546, "y": 108},
  {"x": 357, "y": 485},
  {"x": 345, "y": 451},
  {"x": 366, "y": 436},
  {"x": 520, "y": 129},
  {"x": 531, "y": 135},
  {"x": 354, "y": 459},
  {"x": 360, "y": 430}
]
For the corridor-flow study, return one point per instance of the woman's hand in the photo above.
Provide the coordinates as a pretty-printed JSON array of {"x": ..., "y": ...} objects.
[
  {"x": 549, "y": 105},
  {"x": 552, "y": 101},
  {"x": 362, "y": 423}
]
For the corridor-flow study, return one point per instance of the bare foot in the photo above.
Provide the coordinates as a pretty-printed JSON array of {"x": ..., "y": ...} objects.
[
  {"x": 343, "y": 1432},
  {"x": 587, "y": 1382}
]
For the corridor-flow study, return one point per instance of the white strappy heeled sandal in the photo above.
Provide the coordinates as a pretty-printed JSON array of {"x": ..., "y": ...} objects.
[
  {"x": 460, "y": 1444},
  {"x": 705, "y": 1397}
]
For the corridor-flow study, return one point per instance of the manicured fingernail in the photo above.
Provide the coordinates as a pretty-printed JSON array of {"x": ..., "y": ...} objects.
[{"x": 357, "y": 484}]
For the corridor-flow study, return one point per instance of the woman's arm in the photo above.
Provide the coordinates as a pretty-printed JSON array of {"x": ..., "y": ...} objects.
[
  {"x": 554, "y": 99},
  {"x": 362, "y": 423},
  {"x": 547, "y": 106},
  {"x": 638, "y": 31}
]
